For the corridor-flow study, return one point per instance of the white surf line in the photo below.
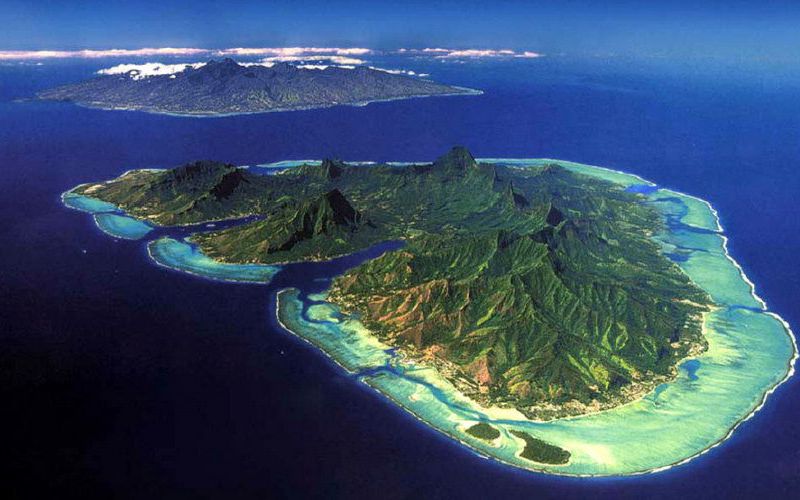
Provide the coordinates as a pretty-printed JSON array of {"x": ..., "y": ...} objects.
[
  {"x": 743, "y": 275},
  {"x": 710, "y": 207},
  {"x": 787, "y": 328},
  {"x": 789, "y": 374},
  {"x": 621, "y": 172}
]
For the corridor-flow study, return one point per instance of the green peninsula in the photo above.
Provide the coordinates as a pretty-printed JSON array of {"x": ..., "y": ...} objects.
[{"x": 537, "y": 289}]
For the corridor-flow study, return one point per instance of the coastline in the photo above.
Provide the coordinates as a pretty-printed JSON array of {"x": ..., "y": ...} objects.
[
  {"x": 789, "y": 369},
  {"x": 543, "y": 468},
  {"x": 187, "y": 270},
  {"x": 108, "y": 218},
  {"x": 464, "y": 91}
]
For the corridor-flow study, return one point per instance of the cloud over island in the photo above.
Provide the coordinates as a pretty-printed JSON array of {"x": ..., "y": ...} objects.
[
  {"x": 141, "y": 71},
  {"x": 303, "y": 57},
  {"x": 442, "y": 53},
  {"x": 299, "y": 52},
  {"x": 148, "y": 69},
  {"x": 21, "y": 55},
  {"x": 338, "y": 55}
]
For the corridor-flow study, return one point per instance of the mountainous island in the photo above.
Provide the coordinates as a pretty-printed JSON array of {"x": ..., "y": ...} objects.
[
  {"x": 227, "y": 87},
  {"x": 537, "y": 289}
]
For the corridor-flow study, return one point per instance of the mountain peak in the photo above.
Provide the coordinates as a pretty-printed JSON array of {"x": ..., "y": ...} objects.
[
  {"x": 332, "y": 168},
  {"x": 514, "y": 198},
  {"x": 554, "y": 216},
  {"x": 458, "y": 158},
  {"x": 327, "y": 212},
  {"x": 227, "y": 61},
  {"x": 202, "y": 169},
  {"x": 221, "y": 68},
  {"x": 283, "y": 66},
  {"x": 341, "y": 211}
]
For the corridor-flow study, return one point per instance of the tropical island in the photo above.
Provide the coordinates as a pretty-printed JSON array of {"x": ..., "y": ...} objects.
[
  {"x": 533, "y": 289},
  {"x": 551, "y": 315},
  {"x": 226, "y": 87}
]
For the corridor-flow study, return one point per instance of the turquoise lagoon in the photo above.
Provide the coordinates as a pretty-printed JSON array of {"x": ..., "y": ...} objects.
[
  {"x": 87, "y": 203},
  {"x": 751, "y": 351},
  {"x": 122, "y": 226},
  {"x": 174, "y": 253},
  {"x": 182, "y": 255},
  {"x": 108, "y": 217}
]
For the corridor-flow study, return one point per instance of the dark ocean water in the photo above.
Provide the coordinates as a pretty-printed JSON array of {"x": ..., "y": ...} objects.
[{"x": 120, "y": 378}]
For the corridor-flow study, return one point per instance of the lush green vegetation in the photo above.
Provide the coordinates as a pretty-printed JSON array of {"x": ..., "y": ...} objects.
[
  {"x": 540, "y": 451},
  {"x": 484, "y": 431},
  {"x": 535, "y": 288}
]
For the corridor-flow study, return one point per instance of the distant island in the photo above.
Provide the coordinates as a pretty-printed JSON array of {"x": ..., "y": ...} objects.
[
  {"x": 551, "y": 315},
  {"x": 226, "y": 87}
]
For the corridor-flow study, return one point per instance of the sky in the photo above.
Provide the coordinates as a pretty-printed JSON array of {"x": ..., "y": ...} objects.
[{"x": 730, "y": 30}]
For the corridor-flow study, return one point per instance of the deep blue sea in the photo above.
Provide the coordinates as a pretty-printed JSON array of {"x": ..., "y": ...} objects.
[{"x": 120, "y": 378}]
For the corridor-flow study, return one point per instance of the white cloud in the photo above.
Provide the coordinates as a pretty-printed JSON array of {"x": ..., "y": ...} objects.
[
  {"x": 294, "y": 51},
  {"x": 266, "y": 64},
  {"x": 401, "y": 72},
  {"x": 346, "y": 60},
  {"x": 442, "y": 53},
  {"x": 146, "y": 70},
  {"x": 477, "y": 53},
  {"x": 354, "y": 51},
  {"x": 336, "y": 55},
  {"x": 325, "y": 66},
  {"x": 94, "y": 54},
  {"x": 141, "y": 71},
  {"x": 313, "y": 66},
  {"x": 330, "y": 59},
  {"x": 184, "y": 51}
]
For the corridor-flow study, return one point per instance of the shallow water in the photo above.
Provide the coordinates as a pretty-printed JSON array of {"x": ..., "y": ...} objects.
[
  {"x": 121, "y": 226},
  {"x": 184, "y": 256}
]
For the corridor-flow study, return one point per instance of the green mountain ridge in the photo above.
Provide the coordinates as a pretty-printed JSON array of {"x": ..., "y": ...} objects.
[{"x": 535, "y": 288}]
